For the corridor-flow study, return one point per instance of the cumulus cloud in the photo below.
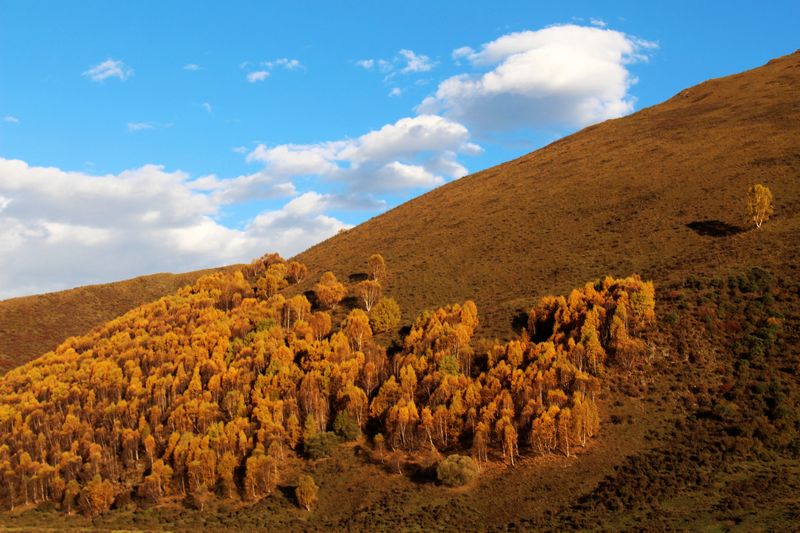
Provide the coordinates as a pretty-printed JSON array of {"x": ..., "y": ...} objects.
[
  {"x": 110, "y": 68},
  {"x": 561, "y": 76},
  {"x": 396, "y": 91},
  {"x": 60, "y": 229},
  {"x": 258, "y": 75},
  {"x": 414, "y": 152}
]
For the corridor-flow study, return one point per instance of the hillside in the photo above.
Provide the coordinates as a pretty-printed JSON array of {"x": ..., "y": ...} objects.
[
  {"x": 618, "y": 197},
  {"x": 616, "y": 404},
  {"x": 32, "y": 325}
]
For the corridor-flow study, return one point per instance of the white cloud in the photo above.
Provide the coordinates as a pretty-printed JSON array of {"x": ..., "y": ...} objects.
[
  {"x": 397, "y": 91},
  {"x": 285, "y": 62},
  {"x": 258, "y": 75},
  {"x": 404, "y": 62},
  {"x": 207, "y": 107},
  {"x": 600, "y": 23},
  {"x": 11, "y": 119},
  {"x": 258, "y": 186},
  {"x": 60, "y": 229},
  {"x": 269, "y": 66},
  {"x": 191, "y": 66},
  {"x": 139, "y": 126},
  {"x": 110, "y": 68},
  {"x": 415, "y": 63},
  {"x": 561, "y": 76},
  {"x": 418, "y": 152}
]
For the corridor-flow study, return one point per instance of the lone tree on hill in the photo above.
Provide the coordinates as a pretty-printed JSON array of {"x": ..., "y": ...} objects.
[
  {"x": 306, "y": 492},
  {"x": 759, "y": 204}
]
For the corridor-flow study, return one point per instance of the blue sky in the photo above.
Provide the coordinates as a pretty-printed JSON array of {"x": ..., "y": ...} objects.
[{"x": 138, "y": 137}]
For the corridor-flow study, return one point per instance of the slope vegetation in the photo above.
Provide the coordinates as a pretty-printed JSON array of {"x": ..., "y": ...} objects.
[
  {"x": 32, "y": 325},
  {"x": 661, "y": 192},
  {"x": 683, "y": 428}
]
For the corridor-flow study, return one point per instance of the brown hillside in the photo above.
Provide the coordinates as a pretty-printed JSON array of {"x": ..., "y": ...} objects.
[
  {"x": 699, "y": 428},
  {"x": 614, "y": 198},
  {"x": 32, "y": 325}
]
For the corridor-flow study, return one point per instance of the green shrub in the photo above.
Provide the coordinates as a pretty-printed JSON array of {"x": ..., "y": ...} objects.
[
  {"x": 321, "y": 445},
  {"x": 457, "y": 470},
  {"x": 346, "y": 426}
]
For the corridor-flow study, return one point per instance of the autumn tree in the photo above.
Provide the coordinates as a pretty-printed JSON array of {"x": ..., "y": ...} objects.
[
  {"x": 376, "y": 267},
  {"x": 368, "y": 291},
  {"x": 759, "y": 204},
  {"x": 329, "y": 291},
  {"x": 356, "y": 327},
  {"x": 385, "y": 315},
  {"x": 320, "y": 323},
  {"x": 97, "y": 496},
  {"x": 296, "y": 272},
  {"x": 306, "y": 492}
]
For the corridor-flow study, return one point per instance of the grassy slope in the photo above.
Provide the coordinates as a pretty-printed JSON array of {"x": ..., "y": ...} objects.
[
  {"x": 614, "y": 198},
  {"x": 33, "y": 325}
]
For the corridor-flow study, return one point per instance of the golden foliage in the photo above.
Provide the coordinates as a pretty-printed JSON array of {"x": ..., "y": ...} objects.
[
  {"x": 205, "y": 391},
  {"x": 759, "y": 204}
]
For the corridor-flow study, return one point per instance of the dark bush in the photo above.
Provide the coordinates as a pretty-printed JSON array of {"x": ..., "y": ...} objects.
[{"x": 321, "y": 445}]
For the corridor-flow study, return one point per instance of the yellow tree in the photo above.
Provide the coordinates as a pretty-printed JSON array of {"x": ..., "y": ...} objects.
[
  {"x": 385, "y": 315},
  {"x": 759, "y": 204},
  {"x": 377, "y": 267},
  {"x": 368, "y": 291},
  {"x": 329, "y": 291},
  {"x": 306, "y": 492},
  {"x": 296, "y": 272},
  {"x": 357, "y": 329}
]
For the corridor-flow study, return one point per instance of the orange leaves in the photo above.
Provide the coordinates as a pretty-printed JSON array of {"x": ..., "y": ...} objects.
[
  {"x": 356, "y": 327},
  {"x": 329, "y": 291}
]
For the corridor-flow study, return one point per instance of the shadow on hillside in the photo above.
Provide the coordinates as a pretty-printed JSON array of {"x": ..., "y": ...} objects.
[
  {"x": 311, "y": 296},
  {"x": 520, "y": 321},
  {"x": 350, "y": 303},
  {"x": 288, "y": 492},
  {"x": 714, "y": 228},
  {"x": 358, "y": 276}
]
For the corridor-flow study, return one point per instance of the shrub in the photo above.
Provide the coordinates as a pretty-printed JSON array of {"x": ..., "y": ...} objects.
[
  {"x": 457, "y": 470},
  {"x": 385, "y": 315},
  {"x": 346, "y": 426},
  {"x": 321, "y": 445}
]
